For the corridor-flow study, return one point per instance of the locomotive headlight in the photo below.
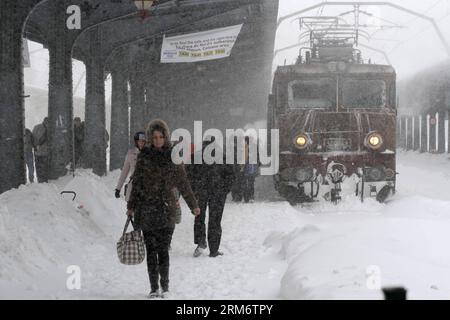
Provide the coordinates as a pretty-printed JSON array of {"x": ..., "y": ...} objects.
[
  {"x": 301, "y": 141},
  {"x": 374, "y": 141}
]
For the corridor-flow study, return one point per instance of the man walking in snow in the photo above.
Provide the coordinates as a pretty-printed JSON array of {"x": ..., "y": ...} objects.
[
  {"x": 40, "y": 143},
  {"x": 211, "y": 183}
]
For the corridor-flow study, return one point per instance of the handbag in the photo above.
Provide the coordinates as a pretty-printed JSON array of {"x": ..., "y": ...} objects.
[{"x": 131, "y": 246}]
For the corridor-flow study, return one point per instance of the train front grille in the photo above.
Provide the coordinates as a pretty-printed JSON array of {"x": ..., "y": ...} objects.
[{"x": 338, "y": 144}]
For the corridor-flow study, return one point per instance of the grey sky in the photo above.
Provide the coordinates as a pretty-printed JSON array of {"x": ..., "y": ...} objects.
[{"x": 410, "y": 49}]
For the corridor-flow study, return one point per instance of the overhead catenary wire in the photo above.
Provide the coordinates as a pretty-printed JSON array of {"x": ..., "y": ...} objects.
[
  {"x": 417, "y": 34},
  {"x": 416, "y": 18}
]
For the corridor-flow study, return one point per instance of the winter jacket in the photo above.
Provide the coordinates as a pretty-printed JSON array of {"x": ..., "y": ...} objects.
[
  {"x": 40, "y": 140},
  {"x": 28, "y": 142},
  {"x": 128, "y": 169},
  {"x": 178, "y": 211},
  {"x": 154, "y": 180},
  {"x": 251, "y": 170},
  {"x": 216, "y": 178},
  {"x": 79, "y": 133}
]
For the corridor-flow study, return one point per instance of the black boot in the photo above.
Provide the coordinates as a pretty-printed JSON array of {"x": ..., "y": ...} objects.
[
  {"x": 154, "y": 294},
  {"x": 154, "y": 279},
  {"x": 199, "y": 250},
  {"x": 215, "y": 254}
]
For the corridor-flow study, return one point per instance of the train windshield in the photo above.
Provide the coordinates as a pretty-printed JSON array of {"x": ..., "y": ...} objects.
[
  {"x": 319, "y": 93},
  {"x": 364, "y": 94}
]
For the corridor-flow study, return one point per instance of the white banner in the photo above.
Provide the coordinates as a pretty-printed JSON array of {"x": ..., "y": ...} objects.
[{"x": 201, "y": 46}]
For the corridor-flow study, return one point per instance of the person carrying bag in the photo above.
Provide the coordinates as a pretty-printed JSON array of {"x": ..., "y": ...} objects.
[{"x": 153, "y": 203}]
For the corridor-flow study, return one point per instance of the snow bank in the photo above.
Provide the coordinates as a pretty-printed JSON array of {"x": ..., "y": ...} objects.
[
  {"x": 272, "y": 250},
  {"x": 43, "y": 232},
  {"x": 348, "y": 251}
]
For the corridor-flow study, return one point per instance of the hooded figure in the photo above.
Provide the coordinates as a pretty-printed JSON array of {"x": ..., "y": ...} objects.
[
  {"x": 130, "y": 164},
  {"x": 154, "y": 203},
  {"x": 211, "y": 184}
]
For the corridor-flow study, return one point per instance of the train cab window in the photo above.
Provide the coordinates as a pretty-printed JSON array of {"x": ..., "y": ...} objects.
[
  {"x": 320, "y": 93},
  {"x": 364, "y": 94}
]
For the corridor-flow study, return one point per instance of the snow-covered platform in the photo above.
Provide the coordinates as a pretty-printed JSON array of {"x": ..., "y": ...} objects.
[{"x": 271, "y": 250}]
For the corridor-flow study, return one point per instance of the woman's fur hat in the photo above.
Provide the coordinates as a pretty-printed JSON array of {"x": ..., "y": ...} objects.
[{"x": 161, "y": 126}]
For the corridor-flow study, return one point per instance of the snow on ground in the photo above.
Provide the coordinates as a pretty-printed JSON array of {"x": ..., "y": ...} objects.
[
  {"x": 42, "y": 233},
  {"x": 272, "y": 250},
  {"x": 341, "y": 252}
]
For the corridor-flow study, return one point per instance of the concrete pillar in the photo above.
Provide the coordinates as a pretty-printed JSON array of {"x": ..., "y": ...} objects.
[
  {"x": 119, "y": 119},
  {"x": 137, "y": 112},
  {"x": 159, "y": 105},
  {"x": 155, "y": 100},
  {"x": 60, "y": 103},
  {"x": 12, "y": 113},
  {"x": 95, "y": 142}
]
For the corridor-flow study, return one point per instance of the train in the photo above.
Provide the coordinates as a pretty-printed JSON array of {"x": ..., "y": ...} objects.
[{"x": 336, "y": 116}]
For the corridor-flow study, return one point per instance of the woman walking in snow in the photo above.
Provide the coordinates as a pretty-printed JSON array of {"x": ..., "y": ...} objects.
[
  {"x": 153, "y": 202},
  {"x": 130, "y": 164}
]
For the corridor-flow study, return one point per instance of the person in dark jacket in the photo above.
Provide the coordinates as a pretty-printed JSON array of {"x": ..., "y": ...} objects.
[
  {"x": 29, "y": 157},
  {"x": 236, "y": 188},
  {"x": 211, "y": 184},
  {"x": 249, "y": 173},
  {"x": 153, "y": 202},
  {"x": 245, "y": 174},
  {"x": 40, "y": 144},
  {"x": 78, "y": 131}
]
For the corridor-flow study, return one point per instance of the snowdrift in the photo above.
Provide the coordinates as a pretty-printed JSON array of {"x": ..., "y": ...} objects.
[
  {"x": 272, "y": 250},
  {"x": 351, "y": 250},
  {"x": 42, "y": 233}
]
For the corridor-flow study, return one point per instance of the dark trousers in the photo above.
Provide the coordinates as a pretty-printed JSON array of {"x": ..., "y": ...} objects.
[
  {"x": 236, "y": 189},
  {"x": 157, "y": 243},
  {"x": 41, "y": 168},
  {"x": 215, "y": 202},
  {"x": 78, "y": 153},
  {"x": 248, "y": 187},
  {"x": 30, "y": 165}
]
